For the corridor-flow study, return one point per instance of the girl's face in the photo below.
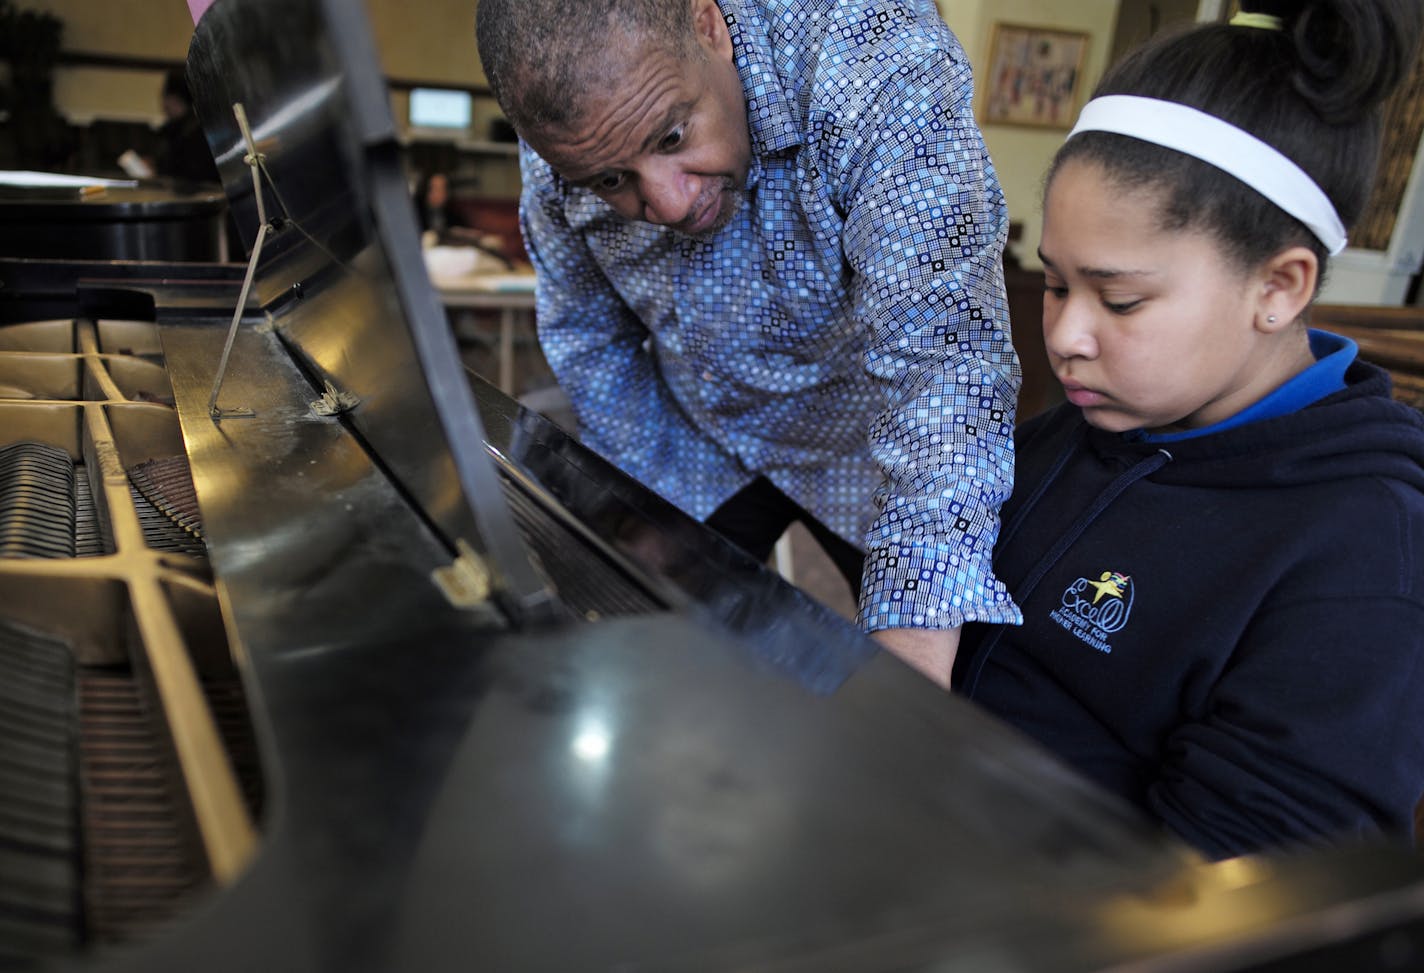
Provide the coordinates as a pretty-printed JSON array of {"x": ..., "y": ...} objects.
[
  {"x": 1145, "y": 327},
  {"x": 438, "y": 191}
]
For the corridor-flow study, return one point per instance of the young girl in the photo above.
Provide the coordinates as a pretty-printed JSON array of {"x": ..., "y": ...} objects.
[{"x": 1218, "y": 541}]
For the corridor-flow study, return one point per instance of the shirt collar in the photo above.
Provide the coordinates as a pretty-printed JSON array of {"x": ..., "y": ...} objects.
[
  {"x": 770, "y": 116},
  {"x": 1333, "y": 355}
]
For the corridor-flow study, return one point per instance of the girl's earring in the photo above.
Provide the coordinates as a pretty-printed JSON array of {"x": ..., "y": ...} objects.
[{"x": 1270, "y": 319}]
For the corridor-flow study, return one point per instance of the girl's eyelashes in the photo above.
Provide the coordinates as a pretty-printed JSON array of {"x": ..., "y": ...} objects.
[{"x": 1060, "y": 292}]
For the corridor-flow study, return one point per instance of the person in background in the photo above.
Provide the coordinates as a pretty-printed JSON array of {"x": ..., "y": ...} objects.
[
  {"x": 1217, "y": 541},
  {"x": 768, "y": 240},
  {"x": 184, "y": 154},
  {"x": 442, "y": 224},
  {"x": 434, "y": 206}
]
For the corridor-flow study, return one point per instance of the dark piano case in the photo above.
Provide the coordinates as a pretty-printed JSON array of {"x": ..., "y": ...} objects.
[{"x": 427, "y": 685}]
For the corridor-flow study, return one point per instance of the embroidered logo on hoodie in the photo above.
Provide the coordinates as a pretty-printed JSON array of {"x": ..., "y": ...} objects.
[{"x": 1093, "y": 610}]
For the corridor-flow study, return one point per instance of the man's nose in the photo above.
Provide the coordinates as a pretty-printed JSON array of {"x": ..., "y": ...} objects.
[{"x": 667, "y": 193}]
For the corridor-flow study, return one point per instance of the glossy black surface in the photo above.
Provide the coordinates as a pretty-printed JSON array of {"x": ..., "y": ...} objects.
[
  {"x": 690, "y": 567},
  {"x": 656, "y": 792},
  {"x": 343, "y": 271},
  {"x": 37, "y": 290},
  {"x": 147, "y": 222},
  {"x": 735, "y": 780},
  {"x": 653, "y": 792}
]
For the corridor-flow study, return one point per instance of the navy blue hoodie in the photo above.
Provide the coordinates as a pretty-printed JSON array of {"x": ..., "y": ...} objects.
[{"x": 1229, "y": 630}]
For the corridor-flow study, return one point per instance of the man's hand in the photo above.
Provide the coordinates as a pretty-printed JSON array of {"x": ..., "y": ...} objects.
[{"x": 931, "y": 651}]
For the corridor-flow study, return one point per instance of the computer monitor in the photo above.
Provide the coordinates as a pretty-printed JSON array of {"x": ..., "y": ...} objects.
[{"x": 444, "y": 110}]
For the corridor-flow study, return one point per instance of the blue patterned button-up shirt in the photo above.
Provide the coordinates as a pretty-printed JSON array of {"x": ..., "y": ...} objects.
[{"x": 846, "y": 335}]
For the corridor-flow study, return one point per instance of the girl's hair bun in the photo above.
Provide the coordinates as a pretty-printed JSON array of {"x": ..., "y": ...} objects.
[{"x": 1351, "y": 53}]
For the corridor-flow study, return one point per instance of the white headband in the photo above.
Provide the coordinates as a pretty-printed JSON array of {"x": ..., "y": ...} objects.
[{"x": 1223, "y": 145}]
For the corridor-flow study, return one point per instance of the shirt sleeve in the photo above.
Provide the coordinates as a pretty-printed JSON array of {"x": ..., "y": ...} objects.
[
  {"x": 924, "y": 233},
  {"x": 1316, "y": 728},
  {"x": 598, "y": 349}
]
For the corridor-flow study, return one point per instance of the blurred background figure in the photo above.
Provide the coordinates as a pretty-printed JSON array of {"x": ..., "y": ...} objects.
[
  {"x": 443, "y": 224},
  {"x": 183, "y": 154},
  {"x": 433, "y": 205}
]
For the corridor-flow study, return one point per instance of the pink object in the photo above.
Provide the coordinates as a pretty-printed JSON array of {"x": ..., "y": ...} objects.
[{"x": 196, "y": 8}]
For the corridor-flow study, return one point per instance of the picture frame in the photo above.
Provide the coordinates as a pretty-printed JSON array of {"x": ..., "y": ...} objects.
[{"x": 1034, "y": 76}]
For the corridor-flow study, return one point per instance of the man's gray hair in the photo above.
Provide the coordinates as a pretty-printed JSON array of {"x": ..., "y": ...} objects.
[{"x": 544, "y": 57}]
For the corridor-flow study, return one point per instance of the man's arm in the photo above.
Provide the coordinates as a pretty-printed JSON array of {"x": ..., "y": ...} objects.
[
  {"x": 924, "y": 232},
  {"x": 931, "y": 651},
  {"x": 596, "y": 346}
]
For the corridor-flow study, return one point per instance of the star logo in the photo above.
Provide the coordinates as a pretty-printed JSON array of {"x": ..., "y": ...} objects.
[{"x": 1110, "y": 583}]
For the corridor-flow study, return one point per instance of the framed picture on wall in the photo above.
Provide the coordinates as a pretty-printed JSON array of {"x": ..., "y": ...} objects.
[{"x": 1034, "y": 75}]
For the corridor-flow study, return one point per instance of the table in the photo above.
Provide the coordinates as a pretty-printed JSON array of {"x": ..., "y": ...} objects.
[{"x": 511, "y": 294}]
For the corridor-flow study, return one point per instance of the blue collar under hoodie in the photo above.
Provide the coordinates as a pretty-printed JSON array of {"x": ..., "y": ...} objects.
[{"x": 1228, "y": 629}]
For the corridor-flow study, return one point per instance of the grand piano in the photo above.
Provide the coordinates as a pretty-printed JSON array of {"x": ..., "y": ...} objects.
[{"x": 318, "y": 652}]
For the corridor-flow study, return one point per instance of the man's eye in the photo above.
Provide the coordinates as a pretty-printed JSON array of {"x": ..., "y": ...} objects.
[
  {"x": 1125, "y": 307},
  {"x": 671, "y": 140},
  {"x": 1056, "y": 290},
  {"x": 609, "y": 182}
]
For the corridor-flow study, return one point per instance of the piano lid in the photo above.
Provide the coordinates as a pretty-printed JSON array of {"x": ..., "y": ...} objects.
[
  {"x": 628, "y": 793},
  {"x": 340, "y": 274}
]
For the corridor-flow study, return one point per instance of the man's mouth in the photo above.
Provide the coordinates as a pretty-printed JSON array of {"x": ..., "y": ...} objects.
[{"x": 705, "y": 214}]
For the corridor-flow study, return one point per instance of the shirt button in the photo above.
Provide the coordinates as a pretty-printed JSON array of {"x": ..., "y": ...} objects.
[{"x": 707, "y": 376}]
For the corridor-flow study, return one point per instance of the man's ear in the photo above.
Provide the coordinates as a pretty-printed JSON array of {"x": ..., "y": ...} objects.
[
  {"x": 1287, "y": 287},
  {"x": 710, "y": 27}
]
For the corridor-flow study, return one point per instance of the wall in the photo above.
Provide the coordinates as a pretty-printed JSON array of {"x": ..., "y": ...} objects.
[
  {"x": 436, "y": 45},
  {"x": 149, "y": 30},
  {"x": 1138, "y": 20},
  {"x": 1022, "y": 154},
  {"x": 141, "y": 28}
]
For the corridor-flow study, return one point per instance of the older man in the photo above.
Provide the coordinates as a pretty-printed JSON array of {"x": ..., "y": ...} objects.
[{"x": 769, "y": 240}]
